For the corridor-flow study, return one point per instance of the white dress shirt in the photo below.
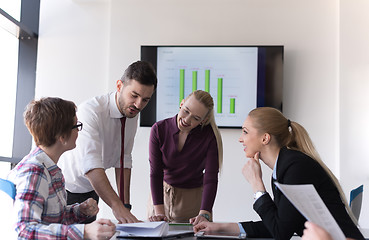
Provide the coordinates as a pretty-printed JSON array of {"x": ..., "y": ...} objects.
[{"x": 99, "y": 142}]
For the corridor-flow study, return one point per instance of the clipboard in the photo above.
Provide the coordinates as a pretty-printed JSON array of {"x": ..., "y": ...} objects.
[{"x": 220, "y": 235}]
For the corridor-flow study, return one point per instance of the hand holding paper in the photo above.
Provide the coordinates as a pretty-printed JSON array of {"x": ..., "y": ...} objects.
[{"x": 307, "y": 200}]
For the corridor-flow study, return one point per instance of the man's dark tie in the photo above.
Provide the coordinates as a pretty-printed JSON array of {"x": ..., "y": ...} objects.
[{"x": 121, "y": 188}]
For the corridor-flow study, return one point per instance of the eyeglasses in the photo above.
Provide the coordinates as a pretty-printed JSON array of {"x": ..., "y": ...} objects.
[{"x": 79, "y": 126}]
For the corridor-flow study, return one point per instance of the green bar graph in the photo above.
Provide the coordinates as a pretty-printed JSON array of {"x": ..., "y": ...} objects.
[
  {"x": 207, "y": 81},
  {"x": 232, "y": 105},
  {"x": 181, "y": 84},
  {"x": 220, "y": 97},
  {"x": 194, "y": 81}
]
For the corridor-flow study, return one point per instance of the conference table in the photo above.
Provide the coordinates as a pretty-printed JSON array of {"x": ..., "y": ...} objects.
[{"x": 189, "y": 236}]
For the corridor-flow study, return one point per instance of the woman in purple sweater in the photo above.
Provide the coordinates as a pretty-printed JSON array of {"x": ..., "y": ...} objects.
[{"x": 186, "y": 154}]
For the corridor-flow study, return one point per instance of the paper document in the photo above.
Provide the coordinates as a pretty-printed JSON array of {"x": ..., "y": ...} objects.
[
  {"x": 144, "y": 229},
  {"x": 307, "y": 200}
]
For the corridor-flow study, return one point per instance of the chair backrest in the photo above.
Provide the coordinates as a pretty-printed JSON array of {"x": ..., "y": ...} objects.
[
  {"x": 356, "y": 199},
  {"x": 8, "y": 187},
  {"x": 7, "y": 219}
]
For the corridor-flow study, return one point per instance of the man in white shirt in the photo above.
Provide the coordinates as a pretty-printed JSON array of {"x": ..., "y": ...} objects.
[{"x": 99, "y": 143}]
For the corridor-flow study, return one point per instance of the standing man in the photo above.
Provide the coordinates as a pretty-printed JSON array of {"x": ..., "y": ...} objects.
[{"x": 99, "y": 144}]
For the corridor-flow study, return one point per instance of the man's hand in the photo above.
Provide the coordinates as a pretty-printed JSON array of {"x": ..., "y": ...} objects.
[
  {"x": 123, "y": 215},
  {"x": 103, "y": 188}
]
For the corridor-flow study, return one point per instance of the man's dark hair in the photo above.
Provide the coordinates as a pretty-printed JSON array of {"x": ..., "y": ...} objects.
[{"x": 141, "y": 71}]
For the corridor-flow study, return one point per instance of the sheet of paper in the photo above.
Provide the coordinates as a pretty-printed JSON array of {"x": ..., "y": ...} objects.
[{"x": 307, "y": 200}]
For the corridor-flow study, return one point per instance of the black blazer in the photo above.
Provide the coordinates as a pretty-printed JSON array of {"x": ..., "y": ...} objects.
[{"x": 280, "y": 219}]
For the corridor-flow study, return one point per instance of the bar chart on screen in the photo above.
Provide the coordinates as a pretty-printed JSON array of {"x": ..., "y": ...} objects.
[{"x": 228, "y": 74}]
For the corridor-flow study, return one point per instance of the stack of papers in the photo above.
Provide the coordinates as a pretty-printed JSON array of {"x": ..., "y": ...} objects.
[{"x": 143, "y": 229}]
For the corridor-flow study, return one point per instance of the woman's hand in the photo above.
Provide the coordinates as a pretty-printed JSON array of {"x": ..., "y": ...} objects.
[
  {"x": 216, "y": 227},
  {"x": 314, "y": 232},
  {"x": 159, "y": 214},
  {"x": 198, "y": 219},
  {"x": 252, "y": 173},
  {"x": 206, "y": 227},
  {"x": 99, "y": 229},
  {"x": 158, "y": 217},
  {"x": 89, "y": 207}
]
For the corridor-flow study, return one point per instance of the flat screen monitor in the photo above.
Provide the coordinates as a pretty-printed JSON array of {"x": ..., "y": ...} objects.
[{"x": 239, "y": 78}]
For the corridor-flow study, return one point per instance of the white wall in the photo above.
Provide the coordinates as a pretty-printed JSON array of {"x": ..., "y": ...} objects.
[
  {"x": 85, "y": 46},
  {"x": 73, "y": 51},
  {"x": 354, "y": 99}
]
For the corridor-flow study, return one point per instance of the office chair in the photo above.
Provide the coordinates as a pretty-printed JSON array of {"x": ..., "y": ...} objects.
[
  {"x": 7, "y": 219},
  {"x": 8, "y": 188},
  {"x": 356, "y": 199}
]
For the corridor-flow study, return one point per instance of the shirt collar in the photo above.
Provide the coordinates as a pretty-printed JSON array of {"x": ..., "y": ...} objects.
[
  {"x": 281, "y": 153},
  {"x": 275, "y": 169},
  {"x": 113, "y": 108},
  {"x": 47, "y": 162}
]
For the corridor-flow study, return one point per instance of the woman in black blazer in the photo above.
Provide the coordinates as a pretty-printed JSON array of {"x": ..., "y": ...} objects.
[{"x": 285, "y": 147}]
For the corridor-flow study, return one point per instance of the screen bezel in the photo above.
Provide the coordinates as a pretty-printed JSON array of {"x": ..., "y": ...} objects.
[{"x": 266, "y": 86}]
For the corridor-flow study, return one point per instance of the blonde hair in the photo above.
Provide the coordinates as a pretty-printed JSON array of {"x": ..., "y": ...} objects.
[
  {"x": 293, "y": 136},
  {"x": 206, "y": 99}
]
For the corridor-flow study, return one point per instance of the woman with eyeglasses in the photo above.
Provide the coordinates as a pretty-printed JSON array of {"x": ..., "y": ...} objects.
[
  {"x": 40, "y": 202},
  {"x": 185, "y": 154}
]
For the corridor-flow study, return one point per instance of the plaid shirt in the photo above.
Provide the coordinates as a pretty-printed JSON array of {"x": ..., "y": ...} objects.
[{"x": 40, "y": 202}]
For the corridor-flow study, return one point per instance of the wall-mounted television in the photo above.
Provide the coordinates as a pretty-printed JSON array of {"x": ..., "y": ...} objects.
[{"x": 239, "y": 78}]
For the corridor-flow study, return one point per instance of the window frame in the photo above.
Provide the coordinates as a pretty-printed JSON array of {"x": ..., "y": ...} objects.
[{"x": 27, "y": 33}]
